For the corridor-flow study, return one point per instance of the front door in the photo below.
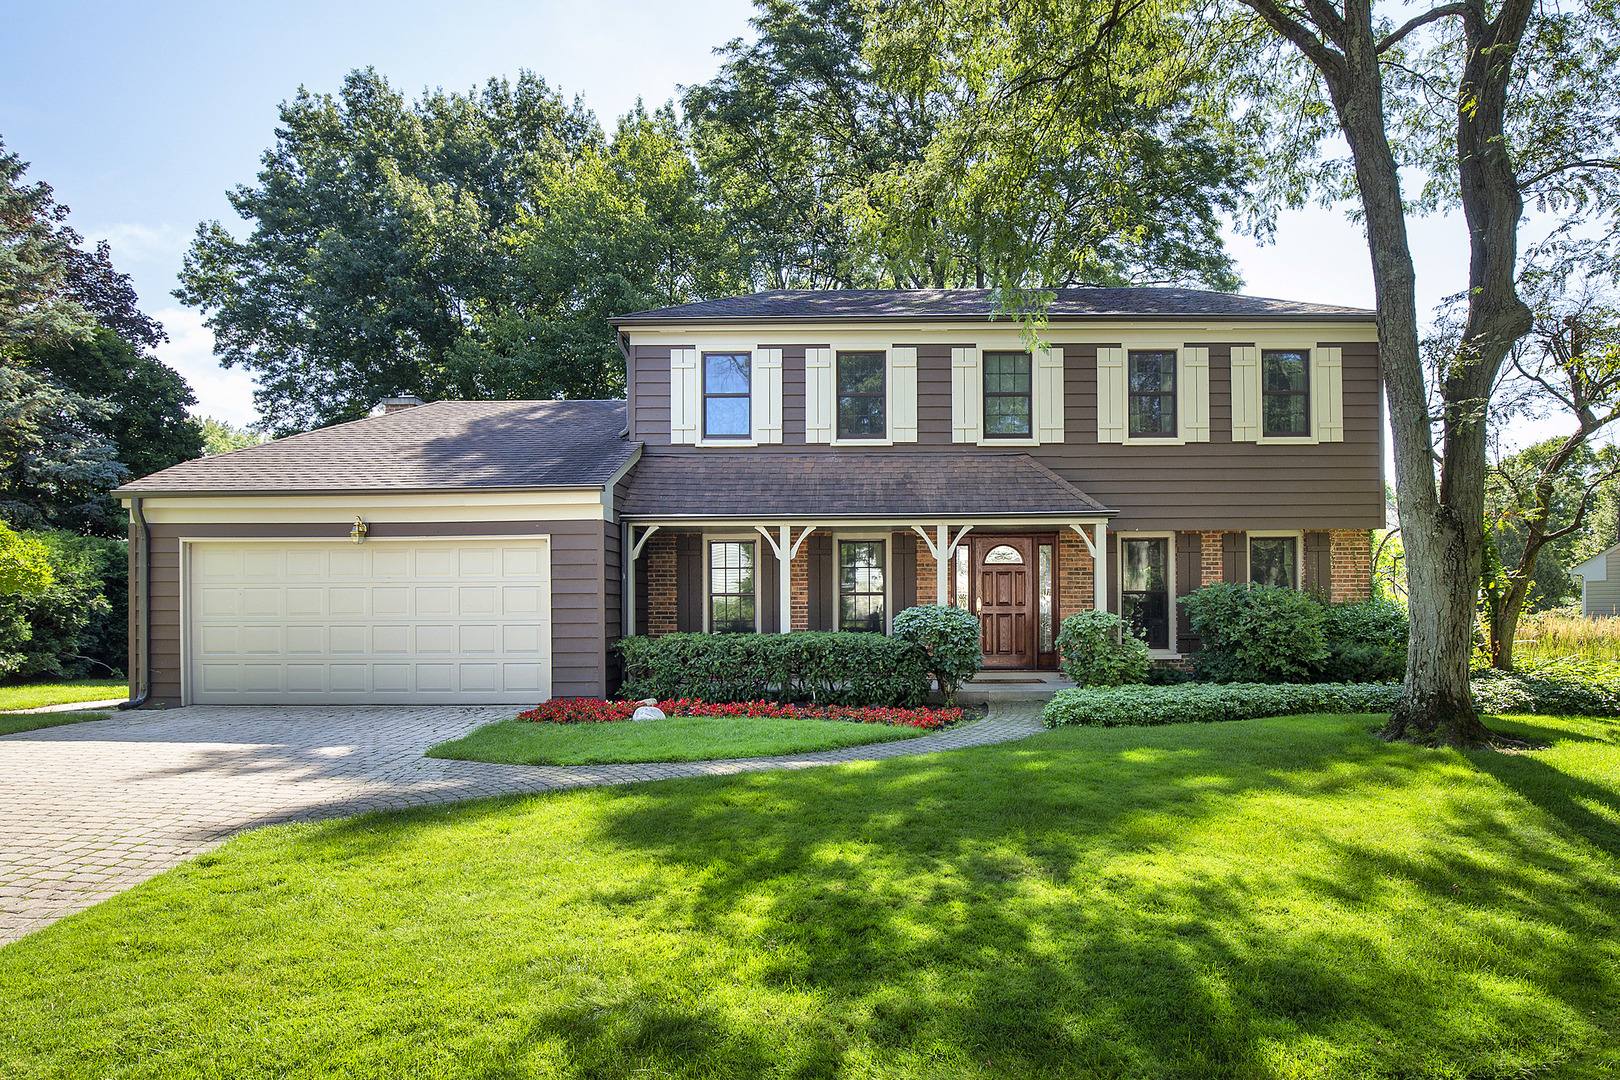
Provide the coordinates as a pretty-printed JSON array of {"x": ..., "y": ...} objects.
[{"x": 1002, "y": 567}]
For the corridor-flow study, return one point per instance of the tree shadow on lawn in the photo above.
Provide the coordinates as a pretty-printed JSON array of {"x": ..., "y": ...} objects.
[{"x": 1207, "y": 902}]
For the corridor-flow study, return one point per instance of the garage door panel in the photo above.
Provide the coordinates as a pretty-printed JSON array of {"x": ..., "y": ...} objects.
[{"x": 383, "y": 622}]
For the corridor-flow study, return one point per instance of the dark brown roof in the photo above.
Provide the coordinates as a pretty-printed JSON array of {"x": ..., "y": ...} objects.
[
  {"x": 447, "y": 445},
  {"x": 926, "y": 304},
  {"x": 958, "y": 484}
]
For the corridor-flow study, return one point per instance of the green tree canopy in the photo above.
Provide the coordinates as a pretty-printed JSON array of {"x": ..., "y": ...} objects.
[
  {"x": 56, "y": 465},
  {"x": 38, "y": 252}
]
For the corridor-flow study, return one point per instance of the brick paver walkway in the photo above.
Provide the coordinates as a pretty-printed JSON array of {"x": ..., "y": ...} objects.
[{"x": 88, "y": 810}]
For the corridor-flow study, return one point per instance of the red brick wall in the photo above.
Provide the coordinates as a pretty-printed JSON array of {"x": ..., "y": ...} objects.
[
  {"x": 660, "y": 556},
  {"x": 1351, "y": 553},
  {"x": 1211, "y": 558},
  {"x": 1075, "y": 588},
  {"x": 800, "y": 585},
  {"x": 927, "y": 586}
]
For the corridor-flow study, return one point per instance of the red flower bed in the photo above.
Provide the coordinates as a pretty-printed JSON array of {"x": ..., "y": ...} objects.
[{"x": 591, "y": 710}]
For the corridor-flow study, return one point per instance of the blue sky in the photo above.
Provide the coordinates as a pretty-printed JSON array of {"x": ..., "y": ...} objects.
[{"x": 143, "y": 116}]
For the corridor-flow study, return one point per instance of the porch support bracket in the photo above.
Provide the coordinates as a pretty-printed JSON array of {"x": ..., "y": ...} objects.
[
  {"x": 786, "y": 549},
  {"x": 942, "y": 547},
  {"x": 1099, "y": 561}
]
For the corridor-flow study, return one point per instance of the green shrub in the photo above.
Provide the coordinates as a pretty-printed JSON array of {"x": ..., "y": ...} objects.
[
  {"x": 1555, "y": 688},
  {"x": 1204, "y": 703},
  {"x": 1098, "y": 648},
  {"x": 950, "y": 637},
  {"x": 1259, "y": 633},
  {"x": 79, "y": 624},
  {"x": 1366, "y": 642},
  {"x": 827, "y": 669}
]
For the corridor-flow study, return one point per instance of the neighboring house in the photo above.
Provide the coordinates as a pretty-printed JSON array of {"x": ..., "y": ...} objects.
[
  {"x": 792, "y": 460},
  {"x": 1600, "y": 583}
]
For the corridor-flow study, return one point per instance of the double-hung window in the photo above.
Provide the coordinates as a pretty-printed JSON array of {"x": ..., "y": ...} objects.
[
  {"x": 860, "y": 586},
  {"x": 726, "y": 412},
  {"x": 862, "y": 396},
  {"x": 1144, "y": 588},
  {"x": 1285, "y": 393},
  {"x": 731, "y": 587},
  {"x": 1007, "y": 405},
  {"x": 1151, "y": 385},
  {"x": 1274, "y": 560}
]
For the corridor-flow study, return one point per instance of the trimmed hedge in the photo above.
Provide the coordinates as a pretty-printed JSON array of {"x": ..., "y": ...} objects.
[
  {"x": 823, "y": 668},
  {"x": 1205, "y": 703}
]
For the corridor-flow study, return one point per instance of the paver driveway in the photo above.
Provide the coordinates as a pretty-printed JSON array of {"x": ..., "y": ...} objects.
[{"x": 88, "y": 810}]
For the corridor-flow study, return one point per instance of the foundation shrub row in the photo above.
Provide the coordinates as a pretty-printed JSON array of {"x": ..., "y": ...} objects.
[{"x": 811, "y": 667}]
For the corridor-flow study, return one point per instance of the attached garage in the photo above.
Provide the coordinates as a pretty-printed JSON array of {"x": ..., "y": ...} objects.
[
  {"x": 456, "y": 553},
  {"x": 386, "y": 622}
]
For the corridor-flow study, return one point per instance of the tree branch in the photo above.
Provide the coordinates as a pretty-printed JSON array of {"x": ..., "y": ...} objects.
[
  {"x": 1568, "y": 166},
  {"x": 1432, "y": 15},
  {"x": 1328, "y": 60}
]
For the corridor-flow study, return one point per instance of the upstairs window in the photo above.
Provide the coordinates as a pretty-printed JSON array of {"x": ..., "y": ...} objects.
[
  {"x": 862, "y": 397},
  {"x": 731, "y": 587},
  {"x": 1007, "y": 409},
  {"x": 726, "y": 412},
  {"x": 1285, "y": 393},
  {"x": 1151, "y": 405},
  {"x": 1274, "y": 560}
]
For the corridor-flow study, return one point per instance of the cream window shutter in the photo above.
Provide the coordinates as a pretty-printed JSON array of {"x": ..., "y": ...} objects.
[
  {"x": 1194, "y": 394},
  {"x": 1110, "y": 395},
  {"x": 1327, "y": 397},
  {"x": 818, "y": 396},
  {"x": 1049, "y": 395},
  {"x": 685, "y": 396},
  {"x": 1245, "y": 393},
  {"x": 766, "y": 390},
  {"x": 967, "y": 386},
  {"x": 903, "y": 393}
]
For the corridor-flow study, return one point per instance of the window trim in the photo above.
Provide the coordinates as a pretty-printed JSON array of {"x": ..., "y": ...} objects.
[
  {"x": 1180, "y": 437},
  {"x": 1175, "y": 436},
  {"x": 887, "y": 438},
  {"x": 1298, "y": 536},
  {"x": 1309, "y": 394},
  {"x": 887, "y": 541},
  {"x": 985, "y": 438},
  {"x": 1118, "y": 587},
  {"x": 708, "y": 586},
  {"x": 704, "y": 395}
]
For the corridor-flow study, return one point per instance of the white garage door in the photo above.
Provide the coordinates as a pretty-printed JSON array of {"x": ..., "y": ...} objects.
[{"x": 385, "y": 622}]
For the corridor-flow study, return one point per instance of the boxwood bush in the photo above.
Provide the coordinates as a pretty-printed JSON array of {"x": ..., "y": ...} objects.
[
  {"x": 950, "y": 637},
  {"x": 1098, "y": 648},
  {"x": 1268, "y": 634},
  {"x": 1203, "y": 702},
  {"x": 826, "y": 669}
]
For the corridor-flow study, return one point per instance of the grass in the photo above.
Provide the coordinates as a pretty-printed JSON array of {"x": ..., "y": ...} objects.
[
  {"x": 37, "y": 695},
  {"x": 1550, "y": 636},
  {"x": 11, "y": 723},
  {"x": 1262, "y": 899},
  {"x": 679, "y": 738}
]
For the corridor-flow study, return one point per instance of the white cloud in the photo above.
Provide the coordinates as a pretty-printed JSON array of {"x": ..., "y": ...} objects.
[
  {"x": 225, "y": 394},
  {"x": 133, "y": 241}
]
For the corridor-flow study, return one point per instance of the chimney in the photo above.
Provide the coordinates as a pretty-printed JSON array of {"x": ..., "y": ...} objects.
[{"x": 396, "y": 404}]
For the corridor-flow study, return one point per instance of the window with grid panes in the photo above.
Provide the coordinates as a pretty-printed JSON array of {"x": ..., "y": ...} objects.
[
  {"x": 1007, "y": 406},
  {"x": 860, "y": 585},
  {"x": 731, "y": 587},
  {"x": 1151, "y": 410},
  {"x": 1285, "y": 393},
  {"x": 862, "y": 401}
]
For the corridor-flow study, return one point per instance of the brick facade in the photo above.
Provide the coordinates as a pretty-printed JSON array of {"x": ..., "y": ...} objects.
[
  {"x": 1211, "y": 556},
  {"x": 927, "y": 585},
  {"x": 660, "y": 556},
  {"x": 1351, "y": 554},
  {"x": 1075, "y": 582},
  {"x": 799, "y": 586}
]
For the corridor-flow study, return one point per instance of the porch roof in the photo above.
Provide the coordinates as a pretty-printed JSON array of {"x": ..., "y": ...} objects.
[{"x": 957, "y": 485}]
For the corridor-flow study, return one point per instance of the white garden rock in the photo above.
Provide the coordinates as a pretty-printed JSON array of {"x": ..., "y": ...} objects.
[{"x": 648, "y": 712}]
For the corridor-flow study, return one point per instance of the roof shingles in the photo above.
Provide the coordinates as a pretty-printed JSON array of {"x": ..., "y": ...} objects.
[{"x": 447, "y": 445}]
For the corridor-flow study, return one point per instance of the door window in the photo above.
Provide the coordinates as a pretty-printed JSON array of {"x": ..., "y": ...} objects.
[{"x": 1145, "y": 588}]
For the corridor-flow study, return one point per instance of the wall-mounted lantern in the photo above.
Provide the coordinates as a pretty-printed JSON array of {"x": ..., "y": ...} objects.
[{"x": 358, "y": 531}]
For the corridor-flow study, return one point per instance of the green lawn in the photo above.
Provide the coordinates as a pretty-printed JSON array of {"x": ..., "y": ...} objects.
[
  {"x": 679, "y": 738},
  {"x": 10, "y": 723},
  {"x": 1268, "y": 899},
  {"x": 36, "y": 695}
]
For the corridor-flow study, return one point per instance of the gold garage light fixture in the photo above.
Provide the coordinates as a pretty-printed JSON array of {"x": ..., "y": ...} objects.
[{"x": 358, "y": 531}]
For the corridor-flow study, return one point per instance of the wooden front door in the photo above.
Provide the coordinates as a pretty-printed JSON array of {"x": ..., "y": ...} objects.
[{"x": 1003, "y": 569}]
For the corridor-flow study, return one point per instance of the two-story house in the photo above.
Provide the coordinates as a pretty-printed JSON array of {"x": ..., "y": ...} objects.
[{"x": 798, "y": 460}]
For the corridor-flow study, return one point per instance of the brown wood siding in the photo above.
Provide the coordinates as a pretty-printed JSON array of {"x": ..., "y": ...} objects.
[
  {"x": 1318, "y": 564},
  {"x": 1218, "y": 485},
  {"x": 1189, "y": 575},
  {"x": 578, "y": 616},
  {"x": 649, "y": 395},
  {"x": 612, "y": 600},
  {"x": 822, "y": 581},
  {"x": 904, "y": 571},
  {"x": 689, "y": 583},
  {"x": 793, "y": 395},
  {"x": 934, "y": 394}
]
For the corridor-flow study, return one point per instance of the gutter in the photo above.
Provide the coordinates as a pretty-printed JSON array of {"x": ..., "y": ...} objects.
[{"x": 143, "y": 623}]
